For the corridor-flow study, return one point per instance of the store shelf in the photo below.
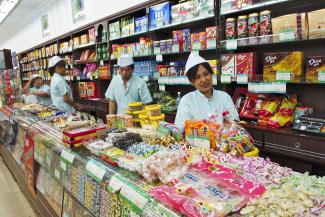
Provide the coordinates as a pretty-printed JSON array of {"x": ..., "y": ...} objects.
[
  {"x": 263, "y": 3},
  {"x": 66, "y": 53},
  {"x": 261, "y": 41},
  {"x": 103, "y": 42},
  {"x": 84, "y": 46},
  {"x": 81, "y": 62},
  {"x": 128, "y": 36}
]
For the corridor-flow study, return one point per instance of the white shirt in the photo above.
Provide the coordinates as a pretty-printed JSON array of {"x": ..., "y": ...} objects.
[{"x": 196, "y": 106}]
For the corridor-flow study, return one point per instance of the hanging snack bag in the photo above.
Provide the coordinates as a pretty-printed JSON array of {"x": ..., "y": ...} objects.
[
  {"x": 270, "y": 107},
  {"x": 288, "y": 105}
]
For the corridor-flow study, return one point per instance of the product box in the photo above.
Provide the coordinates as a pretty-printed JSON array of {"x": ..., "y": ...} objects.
[
  {"x": 92, "y": 36},
  {"x": 228, "y": 64},
  {"x": 203, "y": 8},
  {"x": 141, "y": 24},
  {"x": 127, "y": 26},
  {"x": 182, "y": 12},
  {"x": 178, "y": 39},
  {"x": 283, "y": 66},
  {"x": 84, "y": 39},
  {"x": 239, "y": 4},
  {"x": 246, "y": 64},
  {"x": 316, "y": 24},
  {"x": 315, "y": 69},
  {"x": 114, "y": 30},
  {"x": 290, "y": 27},
  {"x": 211, "y": 37},
  {"x": 160, "y": 15},
  {"x": 214, "y": 66},
  {"x": 186, "y": 39}
]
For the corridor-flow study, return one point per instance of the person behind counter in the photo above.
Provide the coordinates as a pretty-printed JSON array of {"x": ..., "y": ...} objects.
[
  {"x": 126, "y": 87},
  {"x": 35, "y": 86},
  {"x": 61, "y": 92},
  {"x": 205, "y": 100}
]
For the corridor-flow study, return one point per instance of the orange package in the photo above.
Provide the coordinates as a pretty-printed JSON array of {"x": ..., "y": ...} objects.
[{"x": 270, "y": 107}]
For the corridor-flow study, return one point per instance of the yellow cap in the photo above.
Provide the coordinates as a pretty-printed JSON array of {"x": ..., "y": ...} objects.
[
  {"x": 156, "y": 118},
  {"x": 153, "y": 107},
  {"x": 135, "y": 104},
  {"x": 138, "y": 112},
  {"x": 143, "y": 116}
]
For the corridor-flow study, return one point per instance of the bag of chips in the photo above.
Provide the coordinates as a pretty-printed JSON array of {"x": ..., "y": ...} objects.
[
  {"x": 270, "y": 107},
  {"x": 288, "y": 105}
]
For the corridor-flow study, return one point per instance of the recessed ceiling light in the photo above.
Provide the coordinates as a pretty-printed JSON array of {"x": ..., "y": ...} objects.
[{"x": 6, "y": 6}]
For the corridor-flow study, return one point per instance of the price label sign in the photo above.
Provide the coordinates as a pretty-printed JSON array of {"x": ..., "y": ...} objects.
[
  {"x": 283, "y": 76},
  {"x": 162, "y": 87},
  {"x": 225, "y": 79},
  {"x": 159, "y": 58},
  {"x": 96, "y": 170},
  {"x": 242, "y": 78},
  {"x": 321, "y": 76},
  {"x": 68, "y": 156},
  {"x": 287, "y": 36},
  {"x": 231, "y": 44}
]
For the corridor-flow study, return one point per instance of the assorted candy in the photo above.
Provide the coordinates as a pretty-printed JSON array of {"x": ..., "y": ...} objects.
[{"x": 143, "y": 149}]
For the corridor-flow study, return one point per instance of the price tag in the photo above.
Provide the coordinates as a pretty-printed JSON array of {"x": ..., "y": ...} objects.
[
  {"x": 159, "y": 58},
  {"x": 68, "y": 156},
  {"x": 156, "y": 50},
  {"x": 211, "y": 44},
  {"x": 225, "y": 79},
  {"x": 135, "y": 196},
  {"x": 96, "y": 170},
  {"x": 101, "y": 62},
  {"x": 175, "y": 48},
  {"x": 321, "y": 76},
  {"x": 145, "y": 78},
  {"x": 242, "y": 78},
  {"x": 162, "y": 87},
  {"x": 287, "y": 36},
  {"x": 283, "y": 76},
  {"x": 115, "y": 184},
  {"x": 202, "y": 142},
  {"x": 231, "y": 44}
]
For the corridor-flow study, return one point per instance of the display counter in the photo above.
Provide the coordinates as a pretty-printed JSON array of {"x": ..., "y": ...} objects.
[{"x": 61, "y": 181}]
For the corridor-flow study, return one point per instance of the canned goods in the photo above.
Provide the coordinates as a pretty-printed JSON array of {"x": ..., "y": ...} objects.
[
  {"x": 265, "y": 23},
  {"x": 253, "y": 25},
  {"x": 242, "y": 26},
  {"x": 231, "y": 28}
]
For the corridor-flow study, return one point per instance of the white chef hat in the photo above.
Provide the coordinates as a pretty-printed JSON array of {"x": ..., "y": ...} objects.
[
  {"x": 193, "y": 60},
  {"x": 36, "y": 76},
  {"x": 125, "y": 60},
  {"x": 54, "y": 60}
]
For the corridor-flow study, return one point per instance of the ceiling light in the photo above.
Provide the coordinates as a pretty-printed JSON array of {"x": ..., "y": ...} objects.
[{"x": 6, "y": 7}]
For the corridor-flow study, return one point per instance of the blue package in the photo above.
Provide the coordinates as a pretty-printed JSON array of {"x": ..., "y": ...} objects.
[
  {"x": 141, "y": 24},
  {"x": 160, "y": 15}
]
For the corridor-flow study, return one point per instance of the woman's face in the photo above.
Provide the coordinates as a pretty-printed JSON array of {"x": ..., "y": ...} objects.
[
  {"x": 202, "y": 80},
  {"x": 38, "y": 82}
]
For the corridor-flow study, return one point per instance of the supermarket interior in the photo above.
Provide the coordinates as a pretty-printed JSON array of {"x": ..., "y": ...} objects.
[{"x": 194, "y": 108}]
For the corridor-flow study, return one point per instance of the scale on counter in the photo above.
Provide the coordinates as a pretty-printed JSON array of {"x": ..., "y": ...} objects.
[{"x": 314, "y": 124}]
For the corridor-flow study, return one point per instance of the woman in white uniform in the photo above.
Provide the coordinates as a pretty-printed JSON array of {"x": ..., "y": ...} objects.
[
  {"x": 36, "y": 87},
  {"x": 205, "y": 100},
  {"x": 61, "y": 92}
]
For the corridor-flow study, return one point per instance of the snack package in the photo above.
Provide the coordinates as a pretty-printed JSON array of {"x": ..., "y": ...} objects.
[
  {"x": 315, "y": 69},
  {"x": 270, "y": 107},
  {"x": 288, "y": 105},
  {"x": 208, "y": 190},
  {"x": 165, "y": 128},
  {"x": 279, "y": 120},
  {"x": 276, "y": 66},
  {"x": 160, "y": 15},
  {"x": 246, "y": 64},
  {"x": 228, "y": 64},
  {"x": 316, "y": 24}
]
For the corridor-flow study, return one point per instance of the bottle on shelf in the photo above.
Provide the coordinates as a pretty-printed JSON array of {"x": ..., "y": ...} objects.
[{"x": 178, "y": 99}]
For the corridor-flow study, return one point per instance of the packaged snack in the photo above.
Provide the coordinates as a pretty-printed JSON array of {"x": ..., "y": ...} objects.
[
  {"x": 178, "y": 39},
  {"x": 253, "y": 25},
  {"x": 203, "y": 40},
  {"x": 153, "y": 110},
  {"x": 279, "y": 120},
  {"x": 135, "y": 106},
  {"x": 288, "y": 105},
  {"x": 242, "y": 26},
  {"x": 239, "y": 4},
  {"x": 182, "y": 12},
  {"x": 228, "y": 64},
  {"x": 128, "y": 121},
  {"x": 203, "y": 8},
  {"x": 186, "y": 39},
  {"x": 315, "y": 69},
  {"x": 231, "y": 28},
  {"x": 265, "y": 23},
  {"x": 195, "y": 41},
  {"x": 316, "y": 24},
  {"x": 283, "y": 66},
  {"x": 246, "y": 64},
  {"x": 270, "y": 107},
  {"x": 296, "y": 23},
  {"x": 160, "y": 15},
  {"x": 154, "y": 120},
  {"x": 141, "y": 24},
  {"x": 211, "y": 37},
  {"x": 214, "y": 66}
]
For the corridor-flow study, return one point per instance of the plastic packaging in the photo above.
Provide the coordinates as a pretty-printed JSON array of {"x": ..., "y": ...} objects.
[
  {"x": 153, "y": 110},
  {"x": 135, "y": 106},
  {"x": 154, "y": 120}
]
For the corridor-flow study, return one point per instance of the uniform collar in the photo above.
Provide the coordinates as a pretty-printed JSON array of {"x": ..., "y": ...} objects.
[{"x": 202, "y": 96}]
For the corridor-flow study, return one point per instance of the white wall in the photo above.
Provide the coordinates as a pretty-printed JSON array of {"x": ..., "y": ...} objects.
[{"x": 60, "y": 21}]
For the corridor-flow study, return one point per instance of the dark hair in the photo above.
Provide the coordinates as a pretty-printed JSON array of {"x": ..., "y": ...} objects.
[
  {"x": 52, "y": 69},
  {"x": 193, "y": 71}
]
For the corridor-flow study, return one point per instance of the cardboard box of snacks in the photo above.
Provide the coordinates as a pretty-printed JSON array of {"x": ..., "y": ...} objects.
[
  {"x": 290, "y": 27},
  {"x": 283, "y": 66},
  {"x": 316, "y": 24}
]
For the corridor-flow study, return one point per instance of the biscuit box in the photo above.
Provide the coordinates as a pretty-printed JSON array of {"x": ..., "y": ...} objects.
[
  {"x": 228, "y": 64},
  {"x": 182, "y": 12},
  {"x": 314, "y": 67},
  {"x": 316, "y": 24},
  {"x": 141, "y": 24},
  {"x": 160, "y": 15},
  {"x": 283, "y": 65},
  {"x": 246, "y": 64}
]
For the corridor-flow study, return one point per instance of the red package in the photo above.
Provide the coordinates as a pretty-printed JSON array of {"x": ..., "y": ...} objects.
[
  {"x": 270, "y": 107},
  {"x": 246, "y": 64},
  {"x": 178, "y": 39},
  {"x": 288, "y": 105}
]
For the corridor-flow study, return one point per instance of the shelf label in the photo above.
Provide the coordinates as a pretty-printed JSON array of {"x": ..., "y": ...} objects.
[
  {"x": 283, "y": 76},
  {"x": 321, "y": 76},
  {"x": 196, "y": 46},
  {"x": 159, "y": 58},
  {"x": 145, "y": 78},
  {"x": 225, "y": 79},
  {"x": 242, "y": 78},
  {"x": 102, "y": 62},
  {"x": 96, "y": 170},
  {"x": 68, "y": 156},
  {"x": 231, "y": 44},
  {"x": 162, "y": 87},
  {"x": 267, "y": 87},
  {"x": 175, "y": 48},
  {"x": 211, "y": 44},
  {"x": 287, "y": 36},
  {"x": 156, "y": 50},
  {"x": 214, "y": 80}
]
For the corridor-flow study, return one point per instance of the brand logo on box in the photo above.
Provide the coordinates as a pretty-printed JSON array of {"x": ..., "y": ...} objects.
[
  {"x": 225, "y": 58},
  {"x": 314, "y": 62},
  {"x": 270, "y": 59}
]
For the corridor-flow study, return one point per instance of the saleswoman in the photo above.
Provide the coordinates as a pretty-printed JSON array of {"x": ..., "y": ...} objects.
[
  {"x": 36, "y": 86},
  {"x": 61, "y": 92},
  {"x": 202, "y": 102}
]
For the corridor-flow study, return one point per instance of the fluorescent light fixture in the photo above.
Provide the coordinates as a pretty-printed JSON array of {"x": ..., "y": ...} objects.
[{"x": 6, "y": 6}]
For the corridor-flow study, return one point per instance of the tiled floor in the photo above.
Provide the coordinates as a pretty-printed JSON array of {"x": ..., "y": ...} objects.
[{"x": 12, "y": 201}]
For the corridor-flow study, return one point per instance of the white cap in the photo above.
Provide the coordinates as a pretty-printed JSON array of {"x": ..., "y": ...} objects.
[
  {"x": 54, "y": 60},
  {"x": 193, "y": 60},
  {"x": 36, "y": 76},
  {"x": 125, "y": 60}
]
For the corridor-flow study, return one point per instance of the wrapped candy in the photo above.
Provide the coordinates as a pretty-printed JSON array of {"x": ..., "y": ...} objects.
[{"x": 143, "y": 149}]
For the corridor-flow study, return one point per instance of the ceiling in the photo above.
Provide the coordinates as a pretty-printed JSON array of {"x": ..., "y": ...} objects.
[{"x": 22, "y": 14}]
